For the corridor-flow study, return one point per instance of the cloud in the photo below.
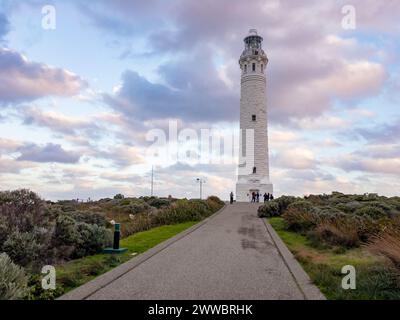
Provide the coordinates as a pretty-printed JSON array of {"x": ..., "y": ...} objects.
[
  {"x": 185, "y": 96},
  {"x": 9, "y": 145},
  {"x": 48, "y": 153},
  {"x": 294, "y": 158},
  {"x": 22, "y": 80},
  {"x": 312, "y": 65},
  {"x": 11, "y": 166},
  {"x": 58, "y": 122},
  {"x": 378, "y": 165},
  {"x": 391, "y": 150},
  {"x": 4, "y": 26},
  {"x": 386, "y": 133}
]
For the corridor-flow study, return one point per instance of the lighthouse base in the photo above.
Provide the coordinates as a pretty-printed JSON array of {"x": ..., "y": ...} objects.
[{"x": 244, "y": 190}]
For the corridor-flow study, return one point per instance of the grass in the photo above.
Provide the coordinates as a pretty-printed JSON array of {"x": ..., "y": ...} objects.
[
  {"x": 374, "y": 278},
  {"x": 77, "y": 272}
]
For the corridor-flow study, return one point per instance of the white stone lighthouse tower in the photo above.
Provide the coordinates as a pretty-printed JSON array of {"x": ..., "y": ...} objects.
[{"x": 253, "y": 174}]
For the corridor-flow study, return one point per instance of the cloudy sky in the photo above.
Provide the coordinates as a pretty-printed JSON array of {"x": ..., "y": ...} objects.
[{"x": 77, "y": 102}]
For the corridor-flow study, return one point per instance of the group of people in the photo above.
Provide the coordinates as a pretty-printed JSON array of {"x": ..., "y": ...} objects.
[{"x": 255, "y": 197}]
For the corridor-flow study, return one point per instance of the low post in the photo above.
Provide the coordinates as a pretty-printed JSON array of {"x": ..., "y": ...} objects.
[{"x": 117, "y": 236}]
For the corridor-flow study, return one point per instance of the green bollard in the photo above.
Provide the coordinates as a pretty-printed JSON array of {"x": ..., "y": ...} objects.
[{"x": 117, "y": 236}]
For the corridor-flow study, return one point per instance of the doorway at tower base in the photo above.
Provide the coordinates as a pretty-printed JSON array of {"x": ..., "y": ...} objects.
[{"x": 244, "y": 190}]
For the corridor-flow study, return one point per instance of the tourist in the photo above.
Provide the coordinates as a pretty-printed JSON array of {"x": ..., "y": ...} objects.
[
  {"x": 253, "y": 197},
  {"x": 258, "y": 197},
  {"x": 266, "y": 197},
  {"x": 271, "y": 197},
  {"x": 231, "y": 196}
]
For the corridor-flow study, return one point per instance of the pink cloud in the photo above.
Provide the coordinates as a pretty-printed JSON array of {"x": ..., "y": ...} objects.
[{"x": 24, "y": 80}]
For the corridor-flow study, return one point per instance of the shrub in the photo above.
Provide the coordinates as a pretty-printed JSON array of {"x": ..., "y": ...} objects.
[
  {"x": 13, "y": 281},
  {"x": 36, "y": 291},
  {"x": 270, "y": 209},
  {"x": 214, "y": 203},
  {"x": 338, "y": 232},
  {"x": 141, "y": 222},
  {"x": 119, "y": 196},
  {"x": 374, "y": 212},
  {"x": 158, "y": 203},
  {"x": 349, "y": 207},
  {"x": 65, "y": 232},
  {"x": 89, "y": 217},
  {"x": 23, "y": 210},
  {"x": 22, "y": 248},
  {"x": 4, "y": 230},
  {"x": 92, "y": 239},
  {"x": 78, "y": 238},
  {"x": 284, "y": 202},
  {"x": 368, "y": 227},
  {"x": 300, "y": 216}
]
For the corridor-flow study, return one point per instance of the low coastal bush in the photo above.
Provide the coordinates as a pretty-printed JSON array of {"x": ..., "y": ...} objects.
[
  {"x": 13, "y": 280},
  {"x": 79, "y": 238},
  {"x": 338, "y": 232},
  {"x": 300, "y": 216},
  {"x": 268, "y": 210},
  {"x": 22, "y": 248},
  {"x": 276, "y": 207},
  {"x": 336, "y": 219}
]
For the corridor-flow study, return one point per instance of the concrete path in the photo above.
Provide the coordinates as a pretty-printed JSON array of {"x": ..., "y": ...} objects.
[{"x": 233, "y": 255}]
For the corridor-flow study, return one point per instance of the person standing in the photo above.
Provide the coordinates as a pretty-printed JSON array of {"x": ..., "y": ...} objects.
[
  {"x": 271, "y": 197},
  {"x": 266, "y": 197},
  {"x": 231, "y": 197},
  {"x": 253, "y": 197},
  {"x": 258, "y": 197}
]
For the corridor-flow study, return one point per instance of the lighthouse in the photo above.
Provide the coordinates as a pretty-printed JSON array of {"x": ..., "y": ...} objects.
[{"x": 253, "y": 171}]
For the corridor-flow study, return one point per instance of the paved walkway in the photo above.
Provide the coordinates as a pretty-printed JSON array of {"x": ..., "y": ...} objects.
[{"x": 231, "y": 256}]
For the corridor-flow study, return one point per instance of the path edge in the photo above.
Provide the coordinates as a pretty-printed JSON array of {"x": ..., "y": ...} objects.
[
  {"x": 309, "y": 290},
  {"x": 88, "y": 289}
]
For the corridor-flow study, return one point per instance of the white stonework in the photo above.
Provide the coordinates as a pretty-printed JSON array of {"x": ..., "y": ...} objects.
[{"x": 253, "y": 172}]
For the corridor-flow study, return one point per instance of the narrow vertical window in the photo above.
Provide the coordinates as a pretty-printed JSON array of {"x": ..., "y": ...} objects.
[
  {"x": 253, "y": 117},
  {"x": 254, "y": 170},
  {"x": 262, "y": 68},
  {"x": 254, "y": 67},
  {"x": 245, "y": 68}
]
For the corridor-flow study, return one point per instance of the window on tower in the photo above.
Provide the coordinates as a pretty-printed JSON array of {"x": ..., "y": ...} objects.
[
  {"x": 254, "y": 170},
  {"x": 262, "y": 68},
  {"x": 254, "y": 117},
  {"x": 254, "y": 67},
  {"x": 245, "y": 68}
]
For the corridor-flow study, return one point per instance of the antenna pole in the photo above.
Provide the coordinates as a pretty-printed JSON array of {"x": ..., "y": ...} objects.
[{"x": 152, "y": 180}]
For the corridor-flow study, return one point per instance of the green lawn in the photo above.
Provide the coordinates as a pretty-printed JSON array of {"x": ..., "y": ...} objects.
[
  {"x": 77, "y": 272},
  {"x": 323, "y": 264}
]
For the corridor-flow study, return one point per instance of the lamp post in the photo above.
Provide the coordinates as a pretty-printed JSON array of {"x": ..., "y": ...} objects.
[{"x": 201, "y": 181}]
